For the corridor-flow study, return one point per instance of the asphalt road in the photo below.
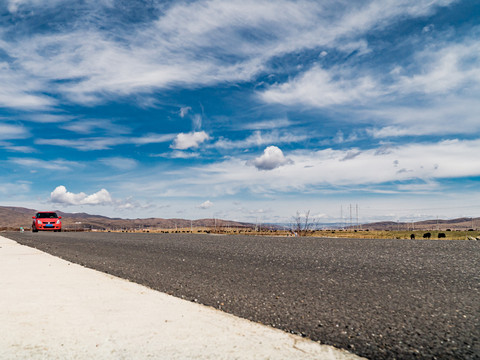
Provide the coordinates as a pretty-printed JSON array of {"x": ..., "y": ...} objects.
[{"x": 382, "y": 299}]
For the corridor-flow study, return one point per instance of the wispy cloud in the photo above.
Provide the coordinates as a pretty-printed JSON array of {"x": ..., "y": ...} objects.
[
  {"x": 265, "y": 124},
  {"x": 443, "y": 69},
  {"x": 8, "y": 132},
  {"x": 184, "y": 111},
  {"x": 19, "y": 90},
  {"x": 47, "y": 118},
  {"x": 102, "y": 143},
  {"x": 16, "y": 5},
  {"x": 448, "y": 69},
  {"x": 193, "y": 43},
  {"x": 13, "y": 189},
  {"x": 451, "y": 68},
  {"x": 176, "y": 154},
  {"x": 17, "y": 148},
  {"x": 320, "y": 88},
  {"x": 93, "y": 125},
  {"x": 328, "y": 168},
  {"x": 119, "y": 163},
  {"x": 258, "y": 138},
  {"x": 59, "y": 165}
]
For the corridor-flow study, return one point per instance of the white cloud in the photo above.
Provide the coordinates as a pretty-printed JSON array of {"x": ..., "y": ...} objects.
[
  {"x": 185, "y": 141},
  {"x": 441, "y": 70},
  {"x": 320, "y": 88},
  {"x": 62, "y": 196},
  {"x": 444, "y": 69},
  {"x": 271, "y": 158},
  {"x": 206, "y": 205},
  {"x": 18, "y": 88},
  {"x": 12, "y": 132},
  {"x": 450, "y": 115},
  {"x": 369, "y": 169},
  {"x": 446, "y": 77},
  {"x": 190, "y": 44}
]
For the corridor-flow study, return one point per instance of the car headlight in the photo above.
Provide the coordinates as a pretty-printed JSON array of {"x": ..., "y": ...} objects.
[
  {"x": 39, "y": 222},
  {"x": 58, "y": 221}
]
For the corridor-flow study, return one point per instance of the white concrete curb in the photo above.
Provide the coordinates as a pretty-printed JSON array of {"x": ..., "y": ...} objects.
[{"x": 53, "y": 309}]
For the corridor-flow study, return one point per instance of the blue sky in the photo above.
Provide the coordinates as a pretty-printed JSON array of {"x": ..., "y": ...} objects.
[{"x": 244, "y": 110}]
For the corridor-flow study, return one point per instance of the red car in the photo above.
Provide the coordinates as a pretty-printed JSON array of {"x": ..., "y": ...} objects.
[{"x": 46, "y": 220}]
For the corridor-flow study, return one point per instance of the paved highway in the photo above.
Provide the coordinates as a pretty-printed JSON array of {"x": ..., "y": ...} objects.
[{"x": 382, "y": 299}]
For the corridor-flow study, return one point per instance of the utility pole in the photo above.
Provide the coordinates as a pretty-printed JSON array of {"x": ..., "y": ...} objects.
[
  {"x": 350, "y": 215},
  {"x": 341, "y": 214},
  {"x": 356, "y": 210}
]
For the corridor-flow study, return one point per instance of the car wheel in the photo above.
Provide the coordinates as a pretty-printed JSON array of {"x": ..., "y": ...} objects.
[{"x": 34, "y": 229}]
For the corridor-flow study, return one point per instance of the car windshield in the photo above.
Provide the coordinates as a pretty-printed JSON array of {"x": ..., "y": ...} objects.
[{"x": 51, "y": 215}]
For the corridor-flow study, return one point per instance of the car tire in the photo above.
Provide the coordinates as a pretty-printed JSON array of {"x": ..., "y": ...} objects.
[{"x": 34, "y": 229}]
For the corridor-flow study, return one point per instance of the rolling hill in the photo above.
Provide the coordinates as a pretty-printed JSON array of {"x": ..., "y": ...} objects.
[{"x": 12, "y": 218}]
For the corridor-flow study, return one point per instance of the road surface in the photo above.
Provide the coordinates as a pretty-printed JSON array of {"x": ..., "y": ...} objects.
[{"x": 380, "y": 299}]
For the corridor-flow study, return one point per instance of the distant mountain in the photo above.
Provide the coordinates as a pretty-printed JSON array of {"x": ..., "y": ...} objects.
[
  {"x": 440, "y": 224},
  {"x": 12, "y": 218}
]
